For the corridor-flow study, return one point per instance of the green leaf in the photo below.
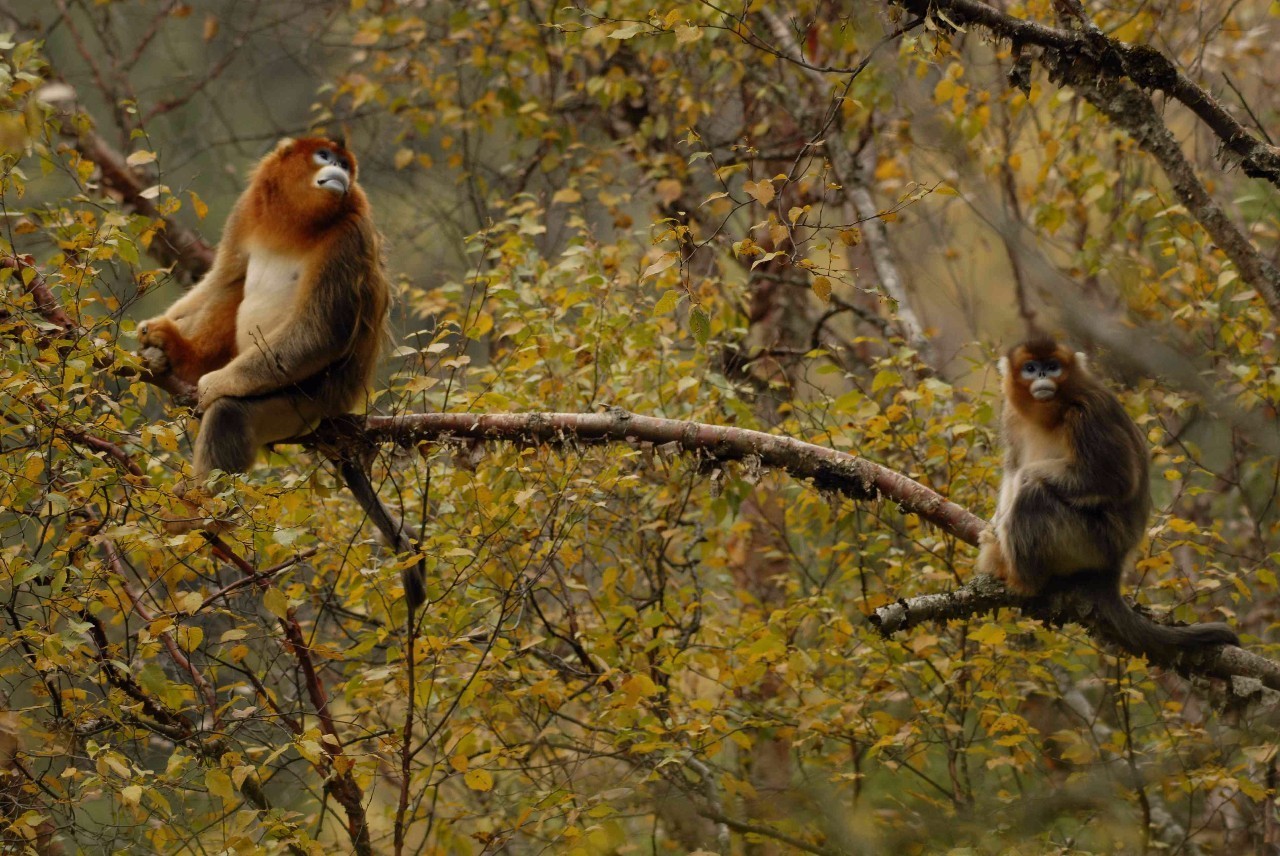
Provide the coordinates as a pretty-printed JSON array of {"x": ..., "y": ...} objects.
[
  {"x": 276, "y": 603},
  {"x": 700, "y": 324},
  {"x": 990, "y": 634},
  {"x": 668, "y": 302}
]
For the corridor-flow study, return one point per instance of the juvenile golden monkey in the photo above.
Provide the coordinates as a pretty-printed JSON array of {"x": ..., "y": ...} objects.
[{"x": 1074, "y": 498}]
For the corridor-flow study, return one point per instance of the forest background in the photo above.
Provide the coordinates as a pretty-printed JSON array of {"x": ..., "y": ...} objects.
[{"x": 648, "y": 630}]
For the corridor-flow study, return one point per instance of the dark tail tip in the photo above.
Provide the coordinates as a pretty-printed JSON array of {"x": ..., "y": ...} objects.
[{"x": 415, "y": 585}]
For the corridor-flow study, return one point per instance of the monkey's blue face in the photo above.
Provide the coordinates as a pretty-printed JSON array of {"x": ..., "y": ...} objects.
[{"x": 1040, "y": 375}]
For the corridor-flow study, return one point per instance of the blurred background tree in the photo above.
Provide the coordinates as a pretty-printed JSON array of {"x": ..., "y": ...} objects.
[{"x": 818, "y": 219}]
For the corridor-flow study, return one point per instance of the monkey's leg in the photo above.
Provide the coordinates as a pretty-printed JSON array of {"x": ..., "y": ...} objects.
[
  {"x": 232, "y": 430},
  {"x": 192, "y": 344},
  {"x": 1047, "y": 538}
]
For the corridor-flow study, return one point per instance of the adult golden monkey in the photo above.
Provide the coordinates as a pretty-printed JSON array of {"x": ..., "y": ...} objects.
[
  {"x": 1074, "y": 498},
  {"x": 286, "y": 327}
]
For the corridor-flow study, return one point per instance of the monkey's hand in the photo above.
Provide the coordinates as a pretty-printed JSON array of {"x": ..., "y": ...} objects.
[
  {"x": 153, "y": 345},
  {"x": 211, "y": 387},
  {"x": 991, "y": 559}
]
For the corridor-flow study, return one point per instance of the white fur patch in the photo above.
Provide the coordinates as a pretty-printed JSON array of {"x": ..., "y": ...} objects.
[{"x": 270, "y": 290}]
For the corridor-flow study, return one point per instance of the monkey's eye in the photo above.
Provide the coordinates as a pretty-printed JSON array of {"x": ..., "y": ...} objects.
[
  {"x": 322, "y": 157},
  {"x": 1052, "y": 368},
  {"x": 1030, "y": 368}
]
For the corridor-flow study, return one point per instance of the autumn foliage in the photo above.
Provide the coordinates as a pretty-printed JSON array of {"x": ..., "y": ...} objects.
[{"x": 812, "y": 220}]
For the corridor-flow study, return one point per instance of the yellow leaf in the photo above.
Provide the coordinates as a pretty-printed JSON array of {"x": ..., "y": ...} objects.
[
  {"x": 778, "y": 233},
  {"x": 566, "y": 194},
  {"x": 403, "y": 158},
  {"x": 626, "y": 31},
  {"x": 276, "y": 603},
  {"x": 822, "y": 288},
  {"x": 131, "y": 795},
  {"x": 198, "y": 204},
  {"x": 666, "y": 261},
  {"x": 460, "y": 762},
  {"x": 189, "y": 638},
  {"x": 219, "y": 784},
  {"x": 990, "y": 634},
  {"x": 639, "y": 686},
  {"x": 188, "y": 601},
  {"x": 670, "y": 298},
  {"x": 762, "y": 191},
  {"x": 139, "y": 158},
  {"x": 478, "y": 780},
  {"x": 684, "y": 35}
]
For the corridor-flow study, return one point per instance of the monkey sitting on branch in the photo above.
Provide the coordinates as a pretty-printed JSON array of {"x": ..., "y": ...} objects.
[
  {"x": 1074, "y": 497},
  {"x": 286, "y": 327}
]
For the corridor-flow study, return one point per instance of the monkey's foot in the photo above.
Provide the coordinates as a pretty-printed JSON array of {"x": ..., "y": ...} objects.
[{"x": 1017, "y": 584}]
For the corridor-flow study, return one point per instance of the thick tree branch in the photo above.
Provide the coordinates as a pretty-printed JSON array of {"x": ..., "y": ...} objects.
[
  {"x": 984, "y": 594},
  {"x": 829, "y": 469}
]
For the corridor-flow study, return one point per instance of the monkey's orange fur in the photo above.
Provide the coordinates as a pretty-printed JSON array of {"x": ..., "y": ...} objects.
[{"x": 286, "y": 326}]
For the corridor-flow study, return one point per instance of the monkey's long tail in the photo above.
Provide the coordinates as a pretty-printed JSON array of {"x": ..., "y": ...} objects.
[
  {"x": 1139, "y": 635},
  {"x": 391, "y": 527}
]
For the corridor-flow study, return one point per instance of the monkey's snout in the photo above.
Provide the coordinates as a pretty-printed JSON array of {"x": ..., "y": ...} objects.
[
  {"x": 1043, "y": 389},
  {"x": 333, "y": 178}
]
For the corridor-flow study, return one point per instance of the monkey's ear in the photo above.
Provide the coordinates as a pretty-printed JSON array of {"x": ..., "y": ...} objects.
[
  {"x": 284, "y": 143},
  {"x": 1003, "y": 366},
  {"x": 1082, "y": 361}
]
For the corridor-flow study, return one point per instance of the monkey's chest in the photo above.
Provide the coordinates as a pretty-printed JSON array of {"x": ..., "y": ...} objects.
[{"x": 271, "y": 287}]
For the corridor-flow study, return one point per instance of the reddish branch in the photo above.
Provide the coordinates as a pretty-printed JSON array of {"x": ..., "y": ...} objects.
[
  {"x": 35, "y": 284},
  {"x": 339, "y": 782},
  {"x": 829, "y": 469}
]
